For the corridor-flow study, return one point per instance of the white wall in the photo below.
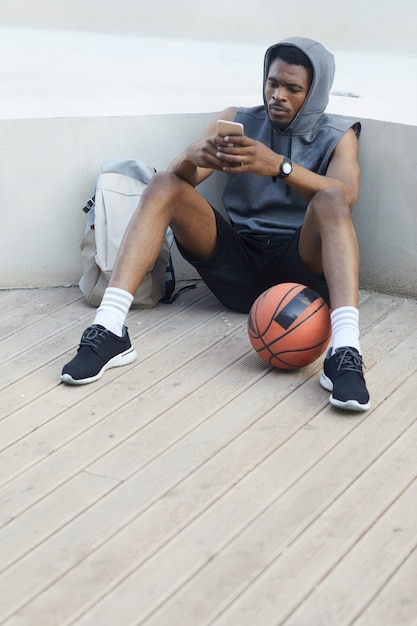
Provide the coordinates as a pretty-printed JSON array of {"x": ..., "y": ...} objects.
[
  {"x": 66, "y": 108},
  {"x": 49, "y": 174},
  {"x": 385, "y": 216},
  {"x": 361, "y": 25},
  {"x": 42, "y": 193}
]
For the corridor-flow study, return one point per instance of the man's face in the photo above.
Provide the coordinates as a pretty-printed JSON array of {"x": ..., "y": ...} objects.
[{"x": 286, "y": 88}]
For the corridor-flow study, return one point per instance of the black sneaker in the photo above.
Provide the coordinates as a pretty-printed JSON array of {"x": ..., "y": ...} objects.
[
  {"x": 99, "y": 350},
  {"x": 343, "y": 376}
]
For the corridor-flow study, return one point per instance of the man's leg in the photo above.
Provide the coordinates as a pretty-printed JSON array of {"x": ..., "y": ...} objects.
[
  {"x": 328, "y": 245},
  {"x": 168, "y": 200}
]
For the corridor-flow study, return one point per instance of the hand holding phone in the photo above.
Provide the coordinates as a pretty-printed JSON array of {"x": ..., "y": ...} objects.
[
  {"x": 230, "y": 129},
  {"x": 226, "y": 129}
]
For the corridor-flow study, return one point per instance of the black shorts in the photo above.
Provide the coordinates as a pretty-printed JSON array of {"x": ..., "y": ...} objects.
[{"x": 245, "y": 265}]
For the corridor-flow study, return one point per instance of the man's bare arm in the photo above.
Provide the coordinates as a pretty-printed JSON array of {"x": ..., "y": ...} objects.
[
  {"x": 199, "y": 160},
  {"x": 248, "y": 155},
  {"x": 343, "y": 172}
]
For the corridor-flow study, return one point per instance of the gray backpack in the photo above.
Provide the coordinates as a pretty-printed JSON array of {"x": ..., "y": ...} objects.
[{"x": 117, "y": 194}]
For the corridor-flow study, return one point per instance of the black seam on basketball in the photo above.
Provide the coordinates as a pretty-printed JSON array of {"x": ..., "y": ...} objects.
[
  {"x": 278, "y": 305},
  {"x": 295, "y": 307},
  {"x": 257, "y": 332},
  {"x": 293, "y": 329}
]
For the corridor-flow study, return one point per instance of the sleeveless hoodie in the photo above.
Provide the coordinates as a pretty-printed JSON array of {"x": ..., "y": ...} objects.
[{"x": 257, "y": 204}]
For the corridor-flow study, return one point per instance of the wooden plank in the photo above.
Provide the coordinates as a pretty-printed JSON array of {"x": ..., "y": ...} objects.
[
  {"x": 377, "y": 555},
  {"x": 184, "y": 556},
  {"x": 47, "y": 516},
  {"x": 54, "y": 339},
  {"x": 27, "y": 308},
  {"x": 76, "y": 408},
  {"x": 45, "y": 371},
  {"x": 57, "y": 429},
  {"x": 28, "y": 303},
  {"x": 160, "y": 476},
  {"x": 309, "y": 551},
  {"x": 153, "y": 440},
  {"x": 24, "y": 421},
  {"x": 203, "y": 590},
  {"x": 396, "y": 602},
  {"x": 81, "y": 421},
  {"x": 198, "y": 447}
]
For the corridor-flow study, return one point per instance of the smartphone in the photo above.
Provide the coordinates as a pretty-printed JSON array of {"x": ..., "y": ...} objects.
[{"x": 225, "y": 128}]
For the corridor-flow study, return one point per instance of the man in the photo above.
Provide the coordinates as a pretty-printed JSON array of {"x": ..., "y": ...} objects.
[{"x": 292, "y": 182}]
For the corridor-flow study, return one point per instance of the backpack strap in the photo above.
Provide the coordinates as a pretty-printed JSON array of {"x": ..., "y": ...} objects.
[{"x": 169, "y": 296}]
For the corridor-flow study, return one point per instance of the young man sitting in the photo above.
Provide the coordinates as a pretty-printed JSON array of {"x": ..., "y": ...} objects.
[{"x": 292, "y": 182}]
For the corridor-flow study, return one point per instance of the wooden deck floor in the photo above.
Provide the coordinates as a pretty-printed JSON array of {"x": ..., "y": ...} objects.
[{"x": 197, "y": 486}]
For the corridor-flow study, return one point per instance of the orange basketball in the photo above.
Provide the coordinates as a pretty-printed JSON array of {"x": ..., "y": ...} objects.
[{"x": 289, "y": 326}]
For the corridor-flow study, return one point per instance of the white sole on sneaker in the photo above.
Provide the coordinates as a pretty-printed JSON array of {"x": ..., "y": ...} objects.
[
  {"x": 325, "y": 382},
  {"x": 119, "y": 360},
  {"x": 349, "y": 405}
]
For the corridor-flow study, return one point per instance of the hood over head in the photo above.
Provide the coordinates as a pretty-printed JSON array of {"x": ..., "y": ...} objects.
[{"x": 322, "y": 79}]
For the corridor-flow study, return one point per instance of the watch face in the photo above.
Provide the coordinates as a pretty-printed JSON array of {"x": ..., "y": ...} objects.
[{"x": 286, "y": 168}]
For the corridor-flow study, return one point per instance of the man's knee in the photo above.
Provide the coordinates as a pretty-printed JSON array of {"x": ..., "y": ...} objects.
[
  {"x": 330, "y": 204},
  {"x": 165, "y": 195},
  {"x": 166, "y": 183}
]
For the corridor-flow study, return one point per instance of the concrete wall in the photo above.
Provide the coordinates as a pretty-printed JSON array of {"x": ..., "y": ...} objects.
[
  {"x": 49, "y": 174},
  {"x": 56, "y": 128},
  {"x": 385, "y": 216},
  {"x": 41, "y": 194}
]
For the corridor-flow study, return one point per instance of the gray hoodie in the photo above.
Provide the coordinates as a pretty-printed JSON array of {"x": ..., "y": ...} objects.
[{"x": 257, "y": 204}]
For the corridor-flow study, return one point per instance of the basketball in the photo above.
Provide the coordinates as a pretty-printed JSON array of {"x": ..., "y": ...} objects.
[{"x": 289, "y": 326}]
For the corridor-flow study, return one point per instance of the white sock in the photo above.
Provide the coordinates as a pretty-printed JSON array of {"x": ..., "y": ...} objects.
[
  {"x": 345, "y": 328},
  {"x": 113, "y": 310}
]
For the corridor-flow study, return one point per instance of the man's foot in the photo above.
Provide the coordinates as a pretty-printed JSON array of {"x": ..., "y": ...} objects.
[
  {"x": 343, "y": 376},
  {"x": 99, "y": 350}
]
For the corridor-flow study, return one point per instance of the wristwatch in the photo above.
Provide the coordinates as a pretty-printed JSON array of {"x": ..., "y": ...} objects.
[{"x": 285, "y": 168}]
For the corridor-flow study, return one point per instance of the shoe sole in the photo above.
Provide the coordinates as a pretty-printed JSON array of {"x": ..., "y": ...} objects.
[
  {"x": 348, "y": 405},
  {"x": 117, "y": 361}
]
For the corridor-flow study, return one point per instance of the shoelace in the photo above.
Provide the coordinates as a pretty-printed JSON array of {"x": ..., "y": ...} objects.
[
  {"x": 349, "y": 361},
  {"x": 92, "y": 336}
]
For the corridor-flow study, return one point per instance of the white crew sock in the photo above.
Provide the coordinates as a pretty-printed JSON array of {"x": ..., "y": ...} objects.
[
  {"x": 345, "y": 328},
  {"x": 113, "y": 310}
]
